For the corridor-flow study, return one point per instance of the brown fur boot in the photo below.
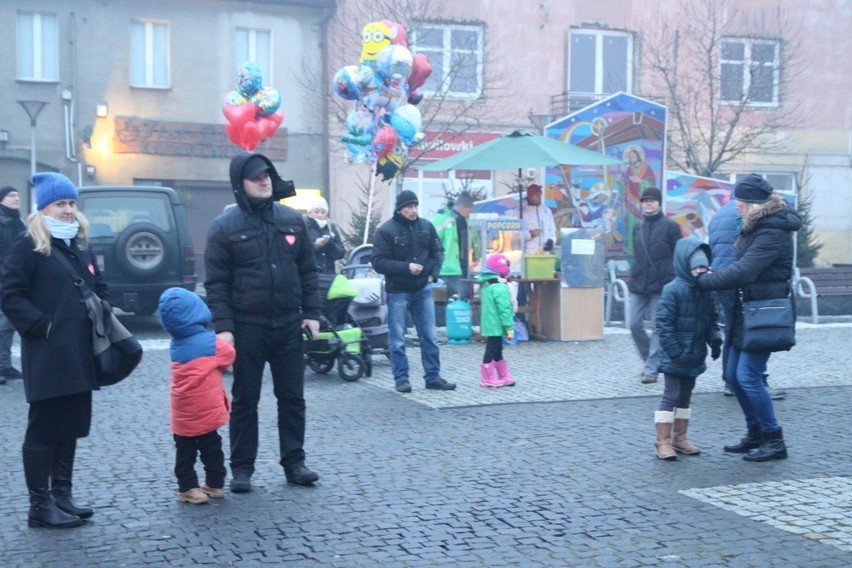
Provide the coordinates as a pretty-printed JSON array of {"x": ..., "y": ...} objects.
[
  {"x": 664, "y": 422},
  {"x": 681, "y": 424}
]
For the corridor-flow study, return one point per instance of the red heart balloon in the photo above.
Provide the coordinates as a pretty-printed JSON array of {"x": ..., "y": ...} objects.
[
  {"x": 234, "y": 134},
  {"x": 277, "y": 117},
  {"x": 251, "y": 136},
  {"x": 266, "y": 127},
  {"x": 239, "y": 115}
]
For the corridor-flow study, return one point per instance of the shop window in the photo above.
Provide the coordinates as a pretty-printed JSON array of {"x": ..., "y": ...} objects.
[
  {"x": 38, "y": 46},
  {"x": 749, "y": 71},
  {"x": 149, "y": 54},
  {"x": 455, "y": 53},
  {"x": 599, "y": 61},
  {"x": 254, "y": 45}
]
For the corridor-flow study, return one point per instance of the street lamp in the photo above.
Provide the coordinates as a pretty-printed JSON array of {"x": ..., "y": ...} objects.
[{"x": 33, "y": 108}]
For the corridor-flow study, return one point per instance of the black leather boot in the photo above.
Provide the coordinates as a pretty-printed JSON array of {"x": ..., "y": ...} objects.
[
  {"x": 299, "y": 474},
  {"x": 43, "y": 511},
  {"x": 771, "y": 448},
  {"x": 60, "y": 474},
  {"x": 751, "y": 441}
]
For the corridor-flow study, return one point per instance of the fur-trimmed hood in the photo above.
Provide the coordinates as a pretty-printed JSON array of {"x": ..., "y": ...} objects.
[{"x": 775, "y": 208}]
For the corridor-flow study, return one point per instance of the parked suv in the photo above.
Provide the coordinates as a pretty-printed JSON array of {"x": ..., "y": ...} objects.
[{"x": 142, "y": 243}]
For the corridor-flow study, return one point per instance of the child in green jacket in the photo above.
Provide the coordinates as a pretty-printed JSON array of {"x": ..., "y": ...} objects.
[{"x": 496, "y": 322}]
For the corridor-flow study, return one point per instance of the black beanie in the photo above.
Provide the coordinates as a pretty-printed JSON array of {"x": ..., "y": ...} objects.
[
  {"x": 6, "y": 191},
  {"x": 404, "y": 198},
  {"x": 752, "y": 189},
  {"x": 652, "y": 193}
]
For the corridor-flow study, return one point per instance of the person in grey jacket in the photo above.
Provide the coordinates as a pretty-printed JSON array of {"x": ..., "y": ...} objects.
[
  {"x": 686, "y": 325},
  {"x": 654, "y": 242}
]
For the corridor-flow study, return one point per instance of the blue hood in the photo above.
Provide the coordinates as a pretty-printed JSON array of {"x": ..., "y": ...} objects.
[{"x": 183, "y": 313}]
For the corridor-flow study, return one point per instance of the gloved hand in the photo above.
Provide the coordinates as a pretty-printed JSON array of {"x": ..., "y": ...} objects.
[
  {"x": 548, "y": 246},
  {"x": 510, "y": 335},
  {"x": 715, "y": 351}
]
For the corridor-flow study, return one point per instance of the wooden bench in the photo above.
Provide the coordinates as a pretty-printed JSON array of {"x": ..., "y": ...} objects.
[{"x": 814, "y": 283}]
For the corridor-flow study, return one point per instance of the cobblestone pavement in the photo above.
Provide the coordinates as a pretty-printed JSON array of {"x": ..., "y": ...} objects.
[{"x": 557, "y": 471}]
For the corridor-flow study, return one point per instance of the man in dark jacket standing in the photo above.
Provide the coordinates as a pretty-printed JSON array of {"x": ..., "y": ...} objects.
[
  {"x": 262, "y": 290},
  {"x": 10, "y": 227},
  {"x": 406, "y": 249},
  {"x": 654, "y": 241}
]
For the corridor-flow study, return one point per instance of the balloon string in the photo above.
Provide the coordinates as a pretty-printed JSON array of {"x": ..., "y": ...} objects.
[{"x": 373, "y": 173}]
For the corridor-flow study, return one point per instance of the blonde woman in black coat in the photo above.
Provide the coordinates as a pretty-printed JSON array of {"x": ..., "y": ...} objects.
[
  {"x": 762, "y": 271},
  {"x": 44, "y": 305}
]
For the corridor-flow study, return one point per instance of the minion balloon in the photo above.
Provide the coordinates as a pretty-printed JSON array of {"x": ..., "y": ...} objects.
[{"x": 375, "y": 36}]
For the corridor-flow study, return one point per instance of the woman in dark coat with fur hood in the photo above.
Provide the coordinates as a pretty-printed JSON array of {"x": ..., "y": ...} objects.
[
  {"x": 43, "y": 302},
  {"x": 763, "y": 270}
]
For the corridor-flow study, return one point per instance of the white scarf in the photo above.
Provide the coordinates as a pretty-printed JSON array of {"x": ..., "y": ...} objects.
[
  {"x": 322, "y": 223},
  {"x": 61, "y": 229}
]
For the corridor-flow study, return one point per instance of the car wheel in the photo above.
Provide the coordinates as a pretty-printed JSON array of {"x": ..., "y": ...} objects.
[{"x": 142, "y": 250}]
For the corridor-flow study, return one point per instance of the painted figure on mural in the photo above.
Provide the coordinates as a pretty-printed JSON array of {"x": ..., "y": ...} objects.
[{"x": 637, "y": 177}]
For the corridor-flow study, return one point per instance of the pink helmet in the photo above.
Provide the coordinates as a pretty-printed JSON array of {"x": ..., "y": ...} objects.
[{"x": 498, "y": 264}]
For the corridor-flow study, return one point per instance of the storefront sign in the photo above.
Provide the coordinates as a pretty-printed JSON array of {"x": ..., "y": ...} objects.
[
  {"x": 439, "y": 145},
  {"x": 135, "y": 135}
]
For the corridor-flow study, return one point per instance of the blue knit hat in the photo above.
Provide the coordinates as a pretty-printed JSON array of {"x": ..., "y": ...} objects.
[{"x": 50, "y": 187}]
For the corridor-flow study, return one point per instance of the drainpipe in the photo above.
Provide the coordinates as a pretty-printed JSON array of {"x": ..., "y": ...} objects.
[{"x": 328, "y": 13}]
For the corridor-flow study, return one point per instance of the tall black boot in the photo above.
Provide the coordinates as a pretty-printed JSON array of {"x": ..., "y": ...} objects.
[
  {"x": 43, "y": 511},
  {"x": 751, "y": 441},
  {"x": 60, "y": 475},
  {"x": 771, "y": 448}
]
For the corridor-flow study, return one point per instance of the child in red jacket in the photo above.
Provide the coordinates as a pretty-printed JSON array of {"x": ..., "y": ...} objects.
[{"x": 199, "y": 402}]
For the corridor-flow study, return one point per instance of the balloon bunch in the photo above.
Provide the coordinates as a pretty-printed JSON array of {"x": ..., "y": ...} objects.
[
  {"x": 252, "y": 110},
  {"x": 384, "y": 89}
]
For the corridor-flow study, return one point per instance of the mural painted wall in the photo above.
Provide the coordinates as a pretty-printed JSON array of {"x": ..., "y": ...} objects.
[
  {"x": 693, "y": 200},
  {"x": 607, "y": 198}
]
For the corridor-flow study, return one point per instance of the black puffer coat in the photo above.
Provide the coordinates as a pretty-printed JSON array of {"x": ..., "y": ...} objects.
[
  {"x": 686, "y": 317},
  {"x": 654, "y": 242},
  {"x": 11, "y": 227},
  {"x": 44, "y": 305},
  {"x": 764, "y": 264},
  {"x": 260, "y": 263},
  {"x": 399, "y": 242}
]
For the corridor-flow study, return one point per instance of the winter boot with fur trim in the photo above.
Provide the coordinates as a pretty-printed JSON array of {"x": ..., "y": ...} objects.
[
  {"x": 681, "y": 424},
  {"x": 664, "y": 421}
]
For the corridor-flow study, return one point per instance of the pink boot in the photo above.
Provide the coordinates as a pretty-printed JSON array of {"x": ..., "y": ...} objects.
[
  {"x": 503, "y": 373},
  {"x": 488, "y": 378}
]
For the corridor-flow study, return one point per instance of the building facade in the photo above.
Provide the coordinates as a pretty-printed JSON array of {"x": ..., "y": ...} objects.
[{"x": 133, "y": 92}]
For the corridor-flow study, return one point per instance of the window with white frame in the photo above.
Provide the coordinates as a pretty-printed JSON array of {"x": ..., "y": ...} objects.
[
  {"x": 455, "y": 53},
  {"x": 256, "y": 46},
  {"x": 149, "y": 54},
  {"x": 749, "y": 71},
  {"x": 599, "y": 61},
  {"x": 38, "y": 46}
]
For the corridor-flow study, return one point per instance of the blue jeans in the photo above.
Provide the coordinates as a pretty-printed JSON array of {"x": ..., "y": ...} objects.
[
  {"x": 745, "y": 375},
  {"x": 421, "y": 304}
]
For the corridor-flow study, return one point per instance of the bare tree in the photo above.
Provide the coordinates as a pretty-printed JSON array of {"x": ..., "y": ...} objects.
[{"x": 724, "y": 74}]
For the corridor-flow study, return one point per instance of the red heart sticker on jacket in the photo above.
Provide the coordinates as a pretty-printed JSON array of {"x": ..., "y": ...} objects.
[{"x": 291, "y": 239}]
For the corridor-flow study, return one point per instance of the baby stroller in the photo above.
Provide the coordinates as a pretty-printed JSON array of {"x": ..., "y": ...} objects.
[
  {"x": 369, "y": 308},
  {"x": 340, "y": 340}
]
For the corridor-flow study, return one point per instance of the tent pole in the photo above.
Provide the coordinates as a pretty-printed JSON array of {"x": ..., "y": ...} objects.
[{"x": 369, "y": 204}]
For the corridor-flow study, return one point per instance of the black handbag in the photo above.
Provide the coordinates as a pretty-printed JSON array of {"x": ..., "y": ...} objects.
[
  {"x": 769, "y": 325},
  {"x": 117, "y": 352}
]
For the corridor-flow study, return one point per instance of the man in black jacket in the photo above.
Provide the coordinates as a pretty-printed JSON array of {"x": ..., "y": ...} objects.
[
  {"x": 10, "y": 227},
  {"x": 262, "y": 290},
  {"x": 406, "y": 249},
  {"x": 654, "y": 242}
]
